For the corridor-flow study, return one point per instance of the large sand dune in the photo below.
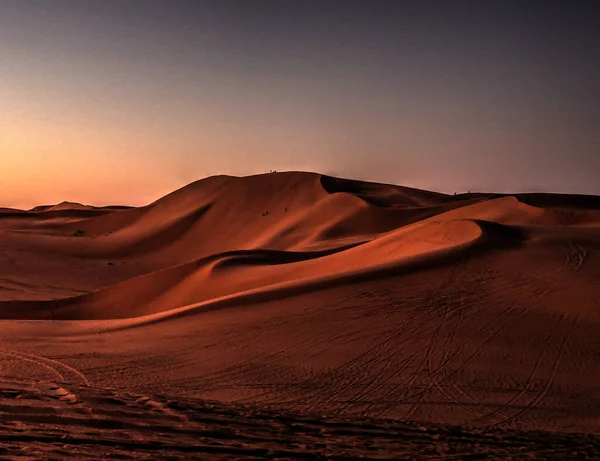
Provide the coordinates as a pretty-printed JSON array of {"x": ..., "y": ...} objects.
[{"x": 306, "y": 293}]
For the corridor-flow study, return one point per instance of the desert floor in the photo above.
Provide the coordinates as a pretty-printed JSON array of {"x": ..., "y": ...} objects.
[{"x": 300, "y": 316}]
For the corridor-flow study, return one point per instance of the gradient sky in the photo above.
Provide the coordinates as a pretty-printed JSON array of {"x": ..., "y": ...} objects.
[{"x": 122, "y": 101}]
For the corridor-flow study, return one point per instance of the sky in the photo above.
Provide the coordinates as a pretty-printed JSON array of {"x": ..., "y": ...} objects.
[{"x": 122, "y": 101}]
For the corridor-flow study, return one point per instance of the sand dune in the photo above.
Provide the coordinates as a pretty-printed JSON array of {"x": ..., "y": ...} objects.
[
  {"x": 268, "y": 270},
  {"x": 307, "y": 293}
]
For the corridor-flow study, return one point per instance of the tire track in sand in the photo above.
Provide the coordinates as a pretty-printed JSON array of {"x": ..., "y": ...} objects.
[
  {"x": 548, "y": 385},
  {"x": 57, "y": 367},
  {"x": 486, "y": 418},
  {"x": 418, "y": 395}
]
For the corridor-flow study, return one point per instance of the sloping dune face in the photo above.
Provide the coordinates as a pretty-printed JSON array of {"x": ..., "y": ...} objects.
[{"x": 316, "y": 294}]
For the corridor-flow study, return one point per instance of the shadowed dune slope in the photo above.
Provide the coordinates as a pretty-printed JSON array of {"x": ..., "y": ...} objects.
[{"x": 385, "y": 195}]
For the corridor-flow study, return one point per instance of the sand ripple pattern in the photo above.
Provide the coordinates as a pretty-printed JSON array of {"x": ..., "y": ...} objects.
[{"x": 37, "y": 423}]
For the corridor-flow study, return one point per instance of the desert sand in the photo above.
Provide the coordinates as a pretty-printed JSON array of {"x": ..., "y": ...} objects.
[{"x": 300, "y": 316}]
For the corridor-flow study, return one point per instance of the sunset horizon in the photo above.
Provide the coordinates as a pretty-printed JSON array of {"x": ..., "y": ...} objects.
[
  {"x": 151, "y": 198},
  {"x": 438, "y": 96}
]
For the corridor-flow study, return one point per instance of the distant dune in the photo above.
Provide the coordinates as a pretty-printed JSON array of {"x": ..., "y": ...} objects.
[{"x": 308, "y": 293}]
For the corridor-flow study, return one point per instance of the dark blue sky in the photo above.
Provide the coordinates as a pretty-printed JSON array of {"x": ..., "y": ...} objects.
[{"x": 122, "y": 101}]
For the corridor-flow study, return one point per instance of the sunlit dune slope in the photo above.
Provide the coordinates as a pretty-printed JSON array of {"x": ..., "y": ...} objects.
[{"x": 264, "y": 270}]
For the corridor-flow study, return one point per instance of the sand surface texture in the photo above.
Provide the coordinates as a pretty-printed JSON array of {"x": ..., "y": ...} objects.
[{"x": 300, "y": 316}]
